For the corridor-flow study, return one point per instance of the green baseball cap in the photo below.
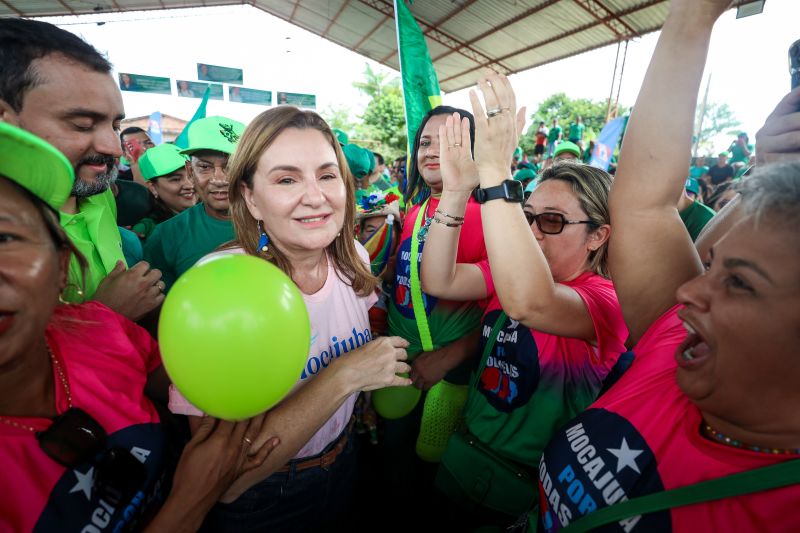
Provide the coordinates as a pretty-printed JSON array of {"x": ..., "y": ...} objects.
[
  {"x": 160, "y": 161},
  {"x": 36, "y": 165},
  {"x": 358, "y": 159},
  {"x": 213, "y": 133},
  {"x": 692, "y": 186},
  {"x": 340, "y": 136},
  {"x": 524, "y": 174},
  {"x": 568, "y": 147}
]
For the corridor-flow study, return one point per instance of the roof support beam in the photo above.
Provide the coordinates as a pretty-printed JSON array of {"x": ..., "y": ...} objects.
[
  {"x": 434, "y": 34},
  {"x": 634, "y": 9},
  {"x": 12, "y": 8},
  {"x": 372, "y": 31},
  {"x": 335, "y": 18},
  {"x": 600, "y": 12}
]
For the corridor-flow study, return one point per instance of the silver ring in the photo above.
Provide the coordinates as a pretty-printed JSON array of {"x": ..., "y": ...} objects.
[
  {"x": 493, "y": 112},
  {"x": 248, "y": 441},
  {"x": 457, "y": 145}
]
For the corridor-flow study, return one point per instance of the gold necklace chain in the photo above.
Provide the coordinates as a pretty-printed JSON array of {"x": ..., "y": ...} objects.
[{"x": 63, "y": 379}]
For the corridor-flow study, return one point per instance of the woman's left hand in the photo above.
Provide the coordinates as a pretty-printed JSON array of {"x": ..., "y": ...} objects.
[{"x": 497, "y": 129}]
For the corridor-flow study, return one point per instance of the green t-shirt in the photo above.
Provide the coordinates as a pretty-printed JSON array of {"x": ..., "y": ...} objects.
[
  {"x": 555, "y": 133},
  {"x": 177, "y": 244},
  {"x": 695, "y": 217},
  {"x": 94, "y": 232},
  {"x": 576, "y": 131},
  {"x": 698, "y": 172},
  {"x": 131, "y": 246},
  {"x": 738, "y": 155}
]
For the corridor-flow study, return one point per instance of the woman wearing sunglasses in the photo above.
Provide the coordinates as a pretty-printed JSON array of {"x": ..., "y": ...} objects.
[
  {"x": 82, "y": 448},
  {"x": 560, "y": 327}
]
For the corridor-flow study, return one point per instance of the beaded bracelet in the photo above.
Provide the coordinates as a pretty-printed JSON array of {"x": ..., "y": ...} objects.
[
  {"x": 448, "y": 224},
  {"x": 457, "y": 219}
]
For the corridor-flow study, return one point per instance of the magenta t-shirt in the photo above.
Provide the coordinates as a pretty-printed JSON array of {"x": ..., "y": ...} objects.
[
  {"x": 106, "y": 359},
  {"x": 643, "y": 436},
  {"x": 534, "y": 381}
]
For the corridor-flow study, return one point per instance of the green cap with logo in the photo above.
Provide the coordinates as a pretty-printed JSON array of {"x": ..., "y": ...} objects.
[
  {"x": 160, "y": 161},
  {"x": 360, "y": 160},
  {"x": 219, "y": 134},
  {"x": 35, "y": 165}
]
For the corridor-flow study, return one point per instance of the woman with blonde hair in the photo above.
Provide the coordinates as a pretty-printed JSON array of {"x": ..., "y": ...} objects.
[
  {"x": 553, "y": 328},
  {"x": 292, "y": 204}
]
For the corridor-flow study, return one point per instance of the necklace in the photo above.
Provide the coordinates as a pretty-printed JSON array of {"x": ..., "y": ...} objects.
[
  {"x": 64, "y": 383},
  {"x": 724, "y": 439}
]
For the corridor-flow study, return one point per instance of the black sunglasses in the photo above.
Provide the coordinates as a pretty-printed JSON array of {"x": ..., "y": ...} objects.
[
  {"x": 552, "y": 223},
  {"x": 76, "y": 438}
]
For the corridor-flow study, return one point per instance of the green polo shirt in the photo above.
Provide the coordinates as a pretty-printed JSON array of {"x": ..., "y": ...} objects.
[
  {"x": 695, "y": 217},
  {"x": 178, "y": 243},
  {"x": 94, "y": 232}
]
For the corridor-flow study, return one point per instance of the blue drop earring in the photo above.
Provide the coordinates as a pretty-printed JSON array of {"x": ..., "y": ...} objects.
[{"x": 263, "y": 241}]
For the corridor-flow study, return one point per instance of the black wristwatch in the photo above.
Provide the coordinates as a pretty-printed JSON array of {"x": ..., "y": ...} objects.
[{"x": 509, "y": 190}]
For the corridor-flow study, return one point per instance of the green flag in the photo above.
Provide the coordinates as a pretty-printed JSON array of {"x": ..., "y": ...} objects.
[
  {"x": 183, "y": 139},
  {"x": 420, "y": 85}
]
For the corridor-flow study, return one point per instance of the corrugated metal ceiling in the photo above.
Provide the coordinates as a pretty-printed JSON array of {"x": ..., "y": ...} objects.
[{"x": 463, "y": 36}]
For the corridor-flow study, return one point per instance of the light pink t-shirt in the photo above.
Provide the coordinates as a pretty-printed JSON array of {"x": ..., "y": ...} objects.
[{"x": 339, "y": 323}]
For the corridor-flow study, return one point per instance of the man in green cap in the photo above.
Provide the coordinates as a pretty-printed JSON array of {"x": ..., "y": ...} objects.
[
  {"x": 568, "y": 151},
  {"x": 694, "y": 214},
  {"x": 177, "y": 244},
  {"x": 60, "y": 88},
  {"x": 740, "y": 150}
]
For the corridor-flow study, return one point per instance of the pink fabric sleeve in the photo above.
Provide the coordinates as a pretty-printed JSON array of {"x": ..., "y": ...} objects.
[
  {"x": 600, "y": 298},
  {"x": 179, "y": 405},
  {"x": 487, "y": 277}
]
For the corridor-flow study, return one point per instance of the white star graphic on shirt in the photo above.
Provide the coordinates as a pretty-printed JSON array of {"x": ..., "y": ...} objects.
[
  {"x": 626, "y": 456},
  {"x": 85, "y": 483}
]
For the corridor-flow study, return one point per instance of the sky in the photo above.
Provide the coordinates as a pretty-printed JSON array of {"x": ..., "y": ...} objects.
[{"x": 747, "y": 61}]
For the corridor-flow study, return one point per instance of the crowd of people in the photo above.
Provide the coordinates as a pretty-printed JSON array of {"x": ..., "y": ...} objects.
[{"x": 500, "y": 341}]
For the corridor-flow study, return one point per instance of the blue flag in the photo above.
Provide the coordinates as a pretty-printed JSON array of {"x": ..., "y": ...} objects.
[
  {"x": 606, "y": 143},
  {"x": 154, "y": 128},
  {"x": 182, "y": 140}
]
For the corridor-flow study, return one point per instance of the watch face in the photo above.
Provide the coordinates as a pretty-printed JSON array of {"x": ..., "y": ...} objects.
[{"x": 513, "y": 191}]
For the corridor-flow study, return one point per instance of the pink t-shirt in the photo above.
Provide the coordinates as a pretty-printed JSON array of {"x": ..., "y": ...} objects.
[
  {"x": 643, "y": 436},
  {"x": 105, "y": 359},
  {"x": 339, "y": 323},
  {"x": 534, "y": 381}
]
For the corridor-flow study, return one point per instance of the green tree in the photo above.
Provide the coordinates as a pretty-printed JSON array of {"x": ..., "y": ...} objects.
[
  {"x": 718, "y": 118},
  {"x": 338, "y": 117},
  {"x": 566, "y": 110},
  {"x": 383, "y": 127}
]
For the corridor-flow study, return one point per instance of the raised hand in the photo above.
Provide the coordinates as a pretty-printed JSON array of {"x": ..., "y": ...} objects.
[
  {"x": 497, "y": 129},
  {"x": 459, "y": 172},
  {"x": 779, "y": 138}
]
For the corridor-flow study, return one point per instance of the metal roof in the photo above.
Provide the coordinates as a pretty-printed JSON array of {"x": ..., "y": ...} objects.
[{"x": 463, "y": 36}]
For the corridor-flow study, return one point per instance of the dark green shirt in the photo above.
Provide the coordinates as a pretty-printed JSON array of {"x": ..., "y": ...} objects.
[
  {"x": 176, "y": 244},
  {"x": 695, "y": 217}
]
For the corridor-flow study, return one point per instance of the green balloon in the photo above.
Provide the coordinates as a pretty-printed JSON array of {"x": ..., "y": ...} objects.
[
  {"x": 395, "y": 402},
  {"x": 234, "y": 335}
]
